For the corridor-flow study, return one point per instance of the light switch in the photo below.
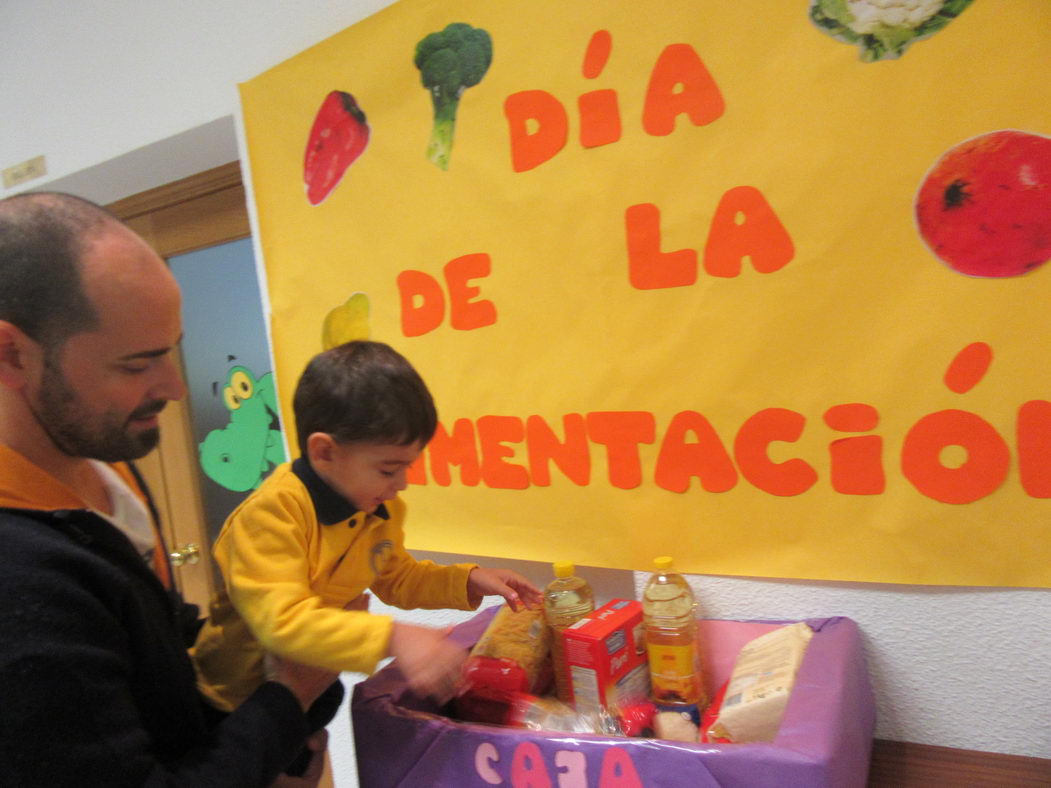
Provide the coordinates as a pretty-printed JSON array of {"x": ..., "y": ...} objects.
[{"x": 26, "y": 171}]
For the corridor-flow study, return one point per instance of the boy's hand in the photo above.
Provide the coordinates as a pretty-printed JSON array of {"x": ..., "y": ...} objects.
[
  {"x": 502, "y": 582},
  {"x": 431, "y": 664}
]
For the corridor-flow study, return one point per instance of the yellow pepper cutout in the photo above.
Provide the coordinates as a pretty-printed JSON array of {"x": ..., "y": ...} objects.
[{"x": 348, "y": 321}]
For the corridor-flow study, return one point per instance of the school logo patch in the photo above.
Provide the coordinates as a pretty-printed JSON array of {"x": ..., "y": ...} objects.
[{"x": 378, "y": 555}]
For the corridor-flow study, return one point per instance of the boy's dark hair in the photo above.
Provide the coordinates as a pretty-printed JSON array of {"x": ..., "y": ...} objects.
[
  {"x": 363, "y": 391},
  {"x": 42, "y": 238}
]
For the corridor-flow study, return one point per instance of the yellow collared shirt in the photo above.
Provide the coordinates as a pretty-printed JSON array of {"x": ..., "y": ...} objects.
[{"x": 292, "y": 555}]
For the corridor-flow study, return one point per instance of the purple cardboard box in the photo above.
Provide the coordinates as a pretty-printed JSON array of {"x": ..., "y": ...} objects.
[{"x": 825, "y": 738}]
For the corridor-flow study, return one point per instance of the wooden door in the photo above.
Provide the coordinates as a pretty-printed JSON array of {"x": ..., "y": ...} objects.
[{"x": 197, "y": 212}]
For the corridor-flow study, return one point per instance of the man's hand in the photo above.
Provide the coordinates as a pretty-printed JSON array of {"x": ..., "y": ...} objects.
[
  {"x": 318, "y": 744},
  {"x": 431, "y": 664},
  {"x": 306, "y": 682},
  {"x": 502, "y": 582}
]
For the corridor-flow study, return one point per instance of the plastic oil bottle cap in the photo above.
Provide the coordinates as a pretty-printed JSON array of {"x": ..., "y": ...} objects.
[
  {"x": 663, "y": 563},
  {"x": 564, "y": 568}
]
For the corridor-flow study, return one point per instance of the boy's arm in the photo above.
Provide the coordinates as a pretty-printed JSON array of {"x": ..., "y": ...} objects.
[
  {"x": 407, "y": 583},
  {"x": 263, "y": 555}
]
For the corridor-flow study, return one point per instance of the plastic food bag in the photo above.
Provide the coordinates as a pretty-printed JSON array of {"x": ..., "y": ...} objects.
[
  {"x": 551, "y": 714},
  {"x": 512, "y": 656},
  {"x": 762, "y": 680}
]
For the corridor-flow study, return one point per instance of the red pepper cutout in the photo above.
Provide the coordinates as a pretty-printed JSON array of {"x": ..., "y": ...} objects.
[{"x": 338, "y": 136}]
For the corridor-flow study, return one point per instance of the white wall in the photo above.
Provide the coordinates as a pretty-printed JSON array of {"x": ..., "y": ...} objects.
[
  {"x": 90, "y": 84},
  {"x": 125, "y": 95}
]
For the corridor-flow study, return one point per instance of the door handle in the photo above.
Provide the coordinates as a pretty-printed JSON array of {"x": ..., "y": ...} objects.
[{"x": 187, "y": 554}]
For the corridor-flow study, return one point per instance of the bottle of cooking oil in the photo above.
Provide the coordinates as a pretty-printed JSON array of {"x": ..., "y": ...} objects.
[
  {"x": 567, "y": 599},
  {"x": 669, "y": 613}
]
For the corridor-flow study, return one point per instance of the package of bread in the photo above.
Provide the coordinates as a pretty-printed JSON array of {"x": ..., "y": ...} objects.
[
  {"x": 762, "y": 679},
  {"x": 512, "y": 656}
]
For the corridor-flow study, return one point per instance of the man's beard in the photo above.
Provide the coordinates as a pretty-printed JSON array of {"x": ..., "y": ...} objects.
[{"x": 105, "y": 436}]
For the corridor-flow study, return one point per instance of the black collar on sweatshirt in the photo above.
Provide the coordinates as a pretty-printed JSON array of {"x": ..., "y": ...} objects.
[{"x": 330, "y": 506}]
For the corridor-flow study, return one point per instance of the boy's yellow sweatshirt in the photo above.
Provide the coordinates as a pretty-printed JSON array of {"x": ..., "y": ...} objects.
[{"x": 292, "y": 555}]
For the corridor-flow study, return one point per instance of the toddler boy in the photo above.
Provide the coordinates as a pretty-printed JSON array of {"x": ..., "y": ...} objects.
[{"x": 299, "y": 553}]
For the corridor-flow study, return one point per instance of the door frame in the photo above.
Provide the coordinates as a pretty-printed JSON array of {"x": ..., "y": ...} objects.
[{"x": 203, "y": 210}]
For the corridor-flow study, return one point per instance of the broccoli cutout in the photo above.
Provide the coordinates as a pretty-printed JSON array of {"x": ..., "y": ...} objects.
[{"x": 450, "y": 61}]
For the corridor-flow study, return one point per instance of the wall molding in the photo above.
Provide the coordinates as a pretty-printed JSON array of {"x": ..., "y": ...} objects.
[
  {"x": 217, "y": 179},
  {"x": 910, "y": 765},
  {"x": 191, "y": 213}
]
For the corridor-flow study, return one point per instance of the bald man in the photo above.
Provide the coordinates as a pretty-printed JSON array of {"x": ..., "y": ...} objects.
[{"x": 96, "y": 687}]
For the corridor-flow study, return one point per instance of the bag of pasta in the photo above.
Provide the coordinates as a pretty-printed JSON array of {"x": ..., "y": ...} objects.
[{"x": 513, "y": 656}]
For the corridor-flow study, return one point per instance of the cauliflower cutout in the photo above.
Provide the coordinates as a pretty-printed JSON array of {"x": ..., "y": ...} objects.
[{"x": 884, "y": 29}]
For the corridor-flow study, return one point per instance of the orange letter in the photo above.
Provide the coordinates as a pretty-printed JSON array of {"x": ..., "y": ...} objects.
[
  {"x": 597, "y": 54},
  {"x": 856, "y": 463},
  {"x": 968, "y": 368},
  {"x": 704, "y": 458},
  {"x": 530, "y": 149},
  {"x": 599, "y": 118},
  {"x": 648, "y": 267},
  {"x": 621, "y": 432},
  {"x": 985, "y": 469},
  {"x": 758, "y": 235},
  {"x": 599, "y": 113},
  {"x": 493, "y": 433},
  {"x": 572, "y": 456},
  {"x": 791, "y": 477},
  {"x": 417, "y": 320},
  {"x": 680, "y": 83},
  {"x": 417, "y": 472},
  {"x": 457, "y": 449},
  {"x": 1034, "y": 448},
  {"x": 463, "y": 313}
]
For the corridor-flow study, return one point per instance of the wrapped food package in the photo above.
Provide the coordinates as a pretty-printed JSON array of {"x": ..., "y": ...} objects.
[
  {"x": 674, "y": 726},
  {"x": 711, "y": 714},
  {"x": 758, "y": 689},
  {"x": 513, "y": 656},
  {"x": 551, "y": 714}
]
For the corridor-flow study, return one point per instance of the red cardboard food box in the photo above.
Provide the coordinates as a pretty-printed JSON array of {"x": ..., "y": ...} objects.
[{"x": 606, "y": 657}]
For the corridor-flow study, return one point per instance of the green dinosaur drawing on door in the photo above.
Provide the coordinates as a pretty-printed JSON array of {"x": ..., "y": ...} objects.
[{"x": 241, "y": 454}]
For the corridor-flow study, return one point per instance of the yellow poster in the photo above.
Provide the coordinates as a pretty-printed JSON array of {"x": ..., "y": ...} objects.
[{"x": 762, "y": 286}]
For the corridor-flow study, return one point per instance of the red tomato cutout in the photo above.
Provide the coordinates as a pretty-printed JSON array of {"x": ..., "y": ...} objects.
[
  {"x": 338, "y": 136},
  {"x": 985, "y": 206}
]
